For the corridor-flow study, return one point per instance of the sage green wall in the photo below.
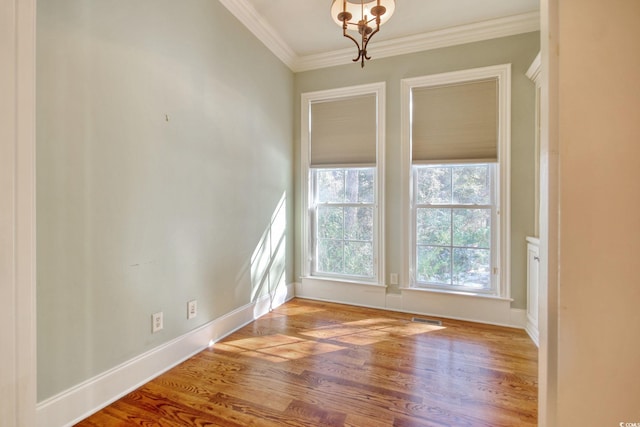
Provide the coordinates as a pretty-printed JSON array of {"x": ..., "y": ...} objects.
[
  {"x": 519, "y": 50},
  {"x": 162, "y": 155}
]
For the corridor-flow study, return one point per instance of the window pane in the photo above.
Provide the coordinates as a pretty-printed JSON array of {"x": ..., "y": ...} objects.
[
  {"x": 434, "y": 185},
  {"x": 433, "y": 265},
  {"x": 330, "y": 256},
  {"x": 358, "y": 223},
  {"x": 358, "y": 258},
  {"x": 472, "y": 228},
  {"x": 359, "y": 186},
  {"x": 330, "y": 220},
  {"x": 471, "y": 185},
  {"x": 366, "y": 191},
  {"x": 330, "y": 185},
  {"x": 433, "y": 226},
  {"x": 471, "y": 268}
]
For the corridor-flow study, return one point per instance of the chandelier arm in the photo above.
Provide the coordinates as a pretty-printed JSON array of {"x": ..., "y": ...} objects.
[
  {"x": 356, "y": 43},
  {"x": 366, "y": 43}
]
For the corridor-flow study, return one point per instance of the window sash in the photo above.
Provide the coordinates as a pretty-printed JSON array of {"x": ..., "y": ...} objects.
[
  {"x": 492, "y": 287},
  {"x": 316, "y": 206}
]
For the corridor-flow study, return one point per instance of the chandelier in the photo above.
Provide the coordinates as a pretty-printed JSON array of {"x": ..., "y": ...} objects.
[{"x": 363, "y": 16}]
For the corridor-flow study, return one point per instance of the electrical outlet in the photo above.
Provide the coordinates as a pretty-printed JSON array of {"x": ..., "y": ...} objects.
[
  {"x": 394, "y": 278},
  {"x": 192, "y": 309},
  {"x": 156, "y": 322}
]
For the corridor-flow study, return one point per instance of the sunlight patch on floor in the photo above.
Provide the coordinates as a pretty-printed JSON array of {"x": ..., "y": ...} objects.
[{"x": 277, "y": 348}]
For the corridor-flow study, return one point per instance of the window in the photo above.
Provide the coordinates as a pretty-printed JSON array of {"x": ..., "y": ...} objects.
[
  {"x": 454, "y": 213},
  {"x": 343, "y": 209},
  {"x": 456, "y": 137},
  {"x": 341, "y": 169}
]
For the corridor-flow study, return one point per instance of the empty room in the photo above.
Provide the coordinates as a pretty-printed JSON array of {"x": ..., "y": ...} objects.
[{"x": 317, "y": 212}]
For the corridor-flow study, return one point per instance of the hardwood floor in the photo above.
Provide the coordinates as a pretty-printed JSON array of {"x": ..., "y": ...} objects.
[{"x": 318, "y": 364}]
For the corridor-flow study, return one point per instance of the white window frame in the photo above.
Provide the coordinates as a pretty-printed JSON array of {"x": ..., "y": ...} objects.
[
  {"x": 307, "y": 99},
  {"x": 502, "y": 267}
]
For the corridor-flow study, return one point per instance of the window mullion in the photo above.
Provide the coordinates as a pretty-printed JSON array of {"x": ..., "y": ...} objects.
[
  {"x": 451, "y": 244},
  {"x": 451, "y": 228},
  {"x": 426, "y": 206}
]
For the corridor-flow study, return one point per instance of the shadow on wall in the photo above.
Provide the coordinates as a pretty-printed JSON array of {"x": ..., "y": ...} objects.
[{"x": 268, "y": 260}]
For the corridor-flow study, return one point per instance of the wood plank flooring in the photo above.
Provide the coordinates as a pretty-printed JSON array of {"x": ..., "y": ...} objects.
[{"x": 310, "y": 363}]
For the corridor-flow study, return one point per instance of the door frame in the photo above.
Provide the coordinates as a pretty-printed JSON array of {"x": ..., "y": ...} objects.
[{"x": 17, "y": 213}]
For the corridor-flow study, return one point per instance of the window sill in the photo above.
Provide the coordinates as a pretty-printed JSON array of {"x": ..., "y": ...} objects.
[{"x": 455, "y": 293}]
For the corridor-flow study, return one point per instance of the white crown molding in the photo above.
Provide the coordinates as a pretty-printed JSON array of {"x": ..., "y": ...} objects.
[
  {"x": 250, "y": 18},
  {"x": 485, "y": 30}
]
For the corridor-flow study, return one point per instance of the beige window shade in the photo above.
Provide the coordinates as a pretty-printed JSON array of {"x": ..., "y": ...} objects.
[
  {"x": 455, "y": 122},
  {"x": 344, "y": 131}
]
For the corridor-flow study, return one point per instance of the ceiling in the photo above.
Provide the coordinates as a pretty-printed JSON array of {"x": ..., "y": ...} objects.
[{"x": 303, "y": 35}]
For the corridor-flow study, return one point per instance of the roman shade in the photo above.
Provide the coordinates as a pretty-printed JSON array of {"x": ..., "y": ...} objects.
[
  {"x": 455, "y": 122},
  {"x": 344, "y": 131}
]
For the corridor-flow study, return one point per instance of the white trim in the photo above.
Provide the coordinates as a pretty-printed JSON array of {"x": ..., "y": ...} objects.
[
  {"x": 471, "y": 308},
  {"x": 469, "y": 33},
  {"x": 534, "y": 73},
  {"x": 360, "y": 294},
  {"x": 549, "y": 232},
  {"x": 534, "y": 69},
  {"x": 503, "y": 73},
  {"x": 519, "y": 319},
  {"x": 393, "y": 302},
  {"x": 406, "y": 182},
  {"x": 80, "y": 401},
  {"x": 457, "y": 293},
  {"x": 533, "y": 332},
  {"x": 492, "y": 311},
  {"x": 379, "y": 89},
  {"x": 479, "y": 31},
  {"x": 264, "y": 32},
  {"x": 17, "y": 213},
  {"x": 533, "y": 240},
  {"x": 533, "y": 288},
  {"x": 504, "y": 155}
]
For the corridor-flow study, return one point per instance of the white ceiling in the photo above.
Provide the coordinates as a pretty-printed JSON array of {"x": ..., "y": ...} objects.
[{"x": 303, "y": 34}]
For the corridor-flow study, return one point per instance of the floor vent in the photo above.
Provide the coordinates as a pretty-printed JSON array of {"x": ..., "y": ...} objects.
[{"x": 427, "y": 321}]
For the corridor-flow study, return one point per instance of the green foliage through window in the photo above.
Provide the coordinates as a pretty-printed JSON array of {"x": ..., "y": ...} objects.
[
  {"x": 344, "y": 222},
  {"x": 453, "y": 226}
]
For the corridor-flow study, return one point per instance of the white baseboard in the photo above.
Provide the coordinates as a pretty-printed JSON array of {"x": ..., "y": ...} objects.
[
  {"x": 82, "y": 400},
  {"x": 480, "y": 309},
  {"x": 359, "y": 294},
  {"x": 394, "y": 302},
  {"x": 519, "y": 318},
  {"x": 532, "y": 330}
]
